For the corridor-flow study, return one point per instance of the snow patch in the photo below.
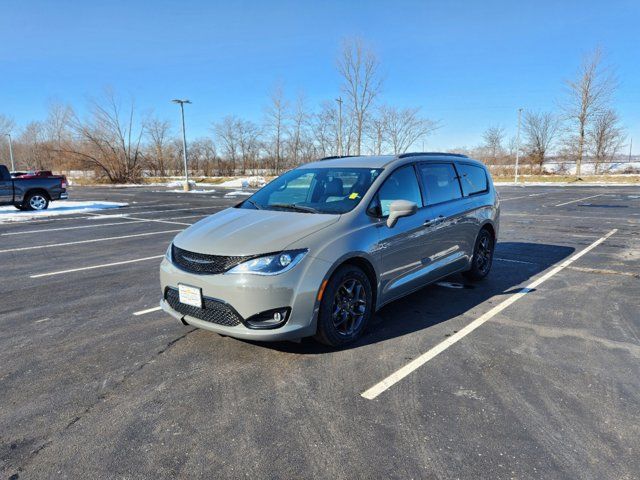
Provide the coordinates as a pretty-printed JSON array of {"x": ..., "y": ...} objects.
[
  {"x": 179, "y": 184},
  {"x": 211, "y": 190},
  {"x": 244, "y": 182},
  {"x": 588, "y": 168},
  {"x": 11, "y": 214},
  {"x": 238, "y": 192}
]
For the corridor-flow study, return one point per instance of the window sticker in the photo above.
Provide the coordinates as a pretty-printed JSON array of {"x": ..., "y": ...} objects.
[{"x": 354, "y": 195}]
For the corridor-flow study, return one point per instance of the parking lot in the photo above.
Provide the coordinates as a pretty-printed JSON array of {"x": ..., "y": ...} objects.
[{"x": 532, "y": 373}]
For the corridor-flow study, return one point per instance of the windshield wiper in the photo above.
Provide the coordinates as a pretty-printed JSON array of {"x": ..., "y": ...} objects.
[
  {"x": 258, "y": 207},
  {"x": 293, "y": 206}
]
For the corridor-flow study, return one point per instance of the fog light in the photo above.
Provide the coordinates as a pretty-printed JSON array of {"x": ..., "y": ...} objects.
[
  {"x": 285, "y": 259},
  {"x": 270, "y": 319}
]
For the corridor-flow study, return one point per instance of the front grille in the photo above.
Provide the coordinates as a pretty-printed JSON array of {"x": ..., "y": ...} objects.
[
  {"x": 213, "y": 311},
  {"x": 204, "y": 264}
]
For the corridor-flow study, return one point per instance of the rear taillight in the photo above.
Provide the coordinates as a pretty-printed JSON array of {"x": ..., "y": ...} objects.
[{"x": 63, "y": 184}]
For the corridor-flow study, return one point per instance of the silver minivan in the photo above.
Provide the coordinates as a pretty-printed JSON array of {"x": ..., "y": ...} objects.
[{"x": 319, "y": 249}]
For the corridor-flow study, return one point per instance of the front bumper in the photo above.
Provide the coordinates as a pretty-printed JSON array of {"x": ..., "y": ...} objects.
[{"x": 249, "y": 295}]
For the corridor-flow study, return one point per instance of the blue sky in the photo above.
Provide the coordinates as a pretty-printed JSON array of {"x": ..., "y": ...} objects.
[{"x": 468, "y": 64}]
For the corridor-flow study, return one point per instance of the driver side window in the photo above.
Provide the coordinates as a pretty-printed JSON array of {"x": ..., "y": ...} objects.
[{"x": 401, "y": 185}]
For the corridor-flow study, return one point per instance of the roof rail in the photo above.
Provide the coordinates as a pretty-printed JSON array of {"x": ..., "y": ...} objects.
[
  {"x": 338, "y": 156},
  {"x": 429, "y": 154}
]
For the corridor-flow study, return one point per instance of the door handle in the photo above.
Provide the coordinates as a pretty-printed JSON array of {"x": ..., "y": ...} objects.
[{"x": 433, "y": 221}]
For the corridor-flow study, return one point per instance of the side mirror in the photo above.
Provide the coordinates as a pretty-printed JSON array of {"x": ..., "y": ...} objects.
[{"x": 400, "y": 208}]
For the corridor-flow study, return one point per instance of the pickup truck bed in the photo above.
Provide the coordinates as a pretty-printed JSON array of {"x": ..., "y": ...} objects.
[{"x": 31, "y": 193}]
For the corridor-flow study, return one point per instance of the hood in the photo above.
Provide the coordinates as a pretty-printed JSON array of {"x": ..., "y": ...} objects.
[{"x": 243, "y": 231}]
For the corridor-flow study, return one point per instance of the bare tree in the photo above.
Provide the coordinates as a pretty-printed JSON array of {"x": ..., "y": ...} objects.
[
  {"x": 587, "y": 97},
  {"x": 227, "y": 135},
  {"x": 32, "y": 147},
  {"x": 158, "y": 151},
  {"x": 376, "y": 132},
  {"x": 248, "y": 135},
  {"x": 109, "y": 139},
  {"x": 512, "y": 147},
  {"x": 359, "y": 67},
  {"x": 57, "y": 131},
  {"x": 403, "y": 127},
  {"x": 202, "y": 153},
  {"x": 540, "y": 130},
  {"x": 7, "y": 125},
  {"x": 493, "y": 138},
  {"x": 58, "y": 121},
  {"x": 605, "y": 137},
  {"x": 275, "y": 125},
  {"x": 324, "y": 129},
  {"x": 298, "y": 130}
]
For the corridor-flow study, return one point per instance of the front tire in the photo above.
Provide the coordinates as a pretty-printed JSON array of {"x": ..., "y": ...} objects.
[
  {"x": 36, "y": 201},
  {"x": 346, "y": 307},
  {"x": 482, "y": 256}
]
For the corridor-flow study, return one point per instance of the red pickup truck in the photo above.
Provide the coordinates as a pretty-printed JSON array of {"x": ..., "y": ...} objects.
[{"x": 31, "y": 192}]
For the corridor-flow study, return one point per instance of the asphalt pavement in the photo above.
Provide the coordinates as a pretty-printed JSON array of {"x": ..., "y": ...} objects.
[{"x": 532, "y": 373}]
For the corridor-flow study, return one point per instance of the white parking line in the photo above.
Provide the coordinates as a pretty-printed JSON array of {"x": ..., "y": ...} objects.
[
  {"x": 148, "y": 310},
  {"x": 42, "y": 230},
  {"x": 94, "y": 240},
  {"x": 39, "y": 275},
  {"x": 513, "y": 261},
  {"x": 401, "y": 373},
  {"x": 523, "y": 196},
  {"x": 579, "y": 200},
  {"x": 157, "y": 206},
  {"x": 133, "y": 220},
  {"x": 159, "y": 221},
  {"x": 169, "y": 210},
  {"x": 144, "y": 219}
]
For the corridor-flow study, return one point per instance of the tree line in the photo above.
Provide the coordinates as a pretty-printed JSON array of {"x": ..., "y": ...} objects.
[
  {"x": 117, "y": 142},
  {"x": 585, "y": 128}
]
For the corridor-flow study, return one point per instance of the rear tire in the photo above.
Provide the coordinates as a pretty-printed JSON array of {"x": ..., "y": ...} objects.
[
  {"x": 346, "y": 307},
  {"x": 36, "y": 201},
  {"x": 482, "y": 256}
]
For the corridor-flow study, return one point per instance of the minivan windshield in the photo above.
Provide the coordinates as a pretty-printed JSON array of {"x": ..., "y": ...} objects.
[{"x": 314, "y": 190}]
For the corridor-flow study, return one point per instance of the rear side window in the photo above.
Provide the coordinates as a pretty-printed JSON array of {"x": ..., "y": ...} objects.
[
  {"x": 401, "y": 185},
  {"x": 440, "y": 182},
  {"x": 472, "y": 178}
]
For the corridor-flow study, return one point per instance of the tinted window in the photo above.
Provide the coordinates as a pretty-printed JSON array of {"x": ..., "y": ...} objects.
[
  {"x": 440, "y": 182},
  {"x": 401, "y": 185},
  {"x": 473, "y": 179}
]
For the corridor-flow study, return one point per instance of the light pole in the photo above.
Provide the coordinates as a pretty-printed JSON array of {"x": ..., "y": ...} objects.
[
  {"x": 518, "y": 144},
  {"x": 339, "y": 100},
  {"x": 187, "y": 187},
  {"x": 13, "y": 167}
]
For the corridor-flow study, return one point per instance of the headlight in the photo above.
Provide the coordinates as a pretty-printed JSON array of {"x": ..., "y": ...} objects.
[{"x": 273, "y": 264}]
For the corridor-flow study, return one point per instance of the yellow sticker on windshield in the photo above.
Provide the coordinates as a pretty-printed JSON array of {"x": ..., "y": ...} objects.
[{"x": 354, "y": 195}]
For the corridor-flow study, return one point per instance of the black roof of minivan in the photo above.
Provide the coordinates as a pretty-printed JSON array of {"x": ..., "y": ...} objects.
[{"x": 381, "y": 161}]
